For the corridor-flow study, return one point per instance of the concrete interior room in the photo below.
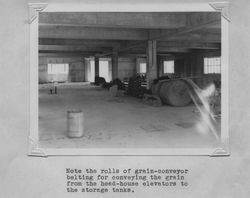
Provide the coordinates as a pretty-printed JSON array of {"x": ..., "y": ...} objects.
[{"x": 84, "y": 56}]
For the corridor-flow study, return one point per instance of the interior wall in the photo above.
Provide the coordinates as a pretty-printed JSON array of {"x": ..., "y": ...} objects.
[
  {"x": 76, "y": 69},
  {"x": 127, "y": 67},
  {"x": 197, "y": 68},
  {"x": 191, "y": 65}
]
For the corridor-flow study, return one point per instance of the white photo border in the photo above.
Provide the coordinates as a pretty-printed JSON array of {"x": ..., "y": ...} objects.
[{"x": 34, "y": 148}]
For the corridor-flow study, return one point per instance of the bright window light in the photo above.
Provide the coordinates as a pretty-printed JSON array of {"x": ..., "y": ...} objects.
[
  {"x": 212, "y": 65},
  {"x": 104, "y": 70},
  {"x": 91, "y": 71},
  {"x": 62, "y": 68},
  {"x": 143, "y": 68},
  {"x": 168, "y": 67}
]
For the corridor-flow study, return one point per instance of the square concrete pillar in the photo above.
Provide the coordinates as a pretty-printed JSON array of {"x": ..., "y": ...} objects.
[
  {"x": 114, "y": 64},
  {"x": 151, "y": 62},
  {"x": 160, "y": 63},
  {"x": 97, "y": 66}
]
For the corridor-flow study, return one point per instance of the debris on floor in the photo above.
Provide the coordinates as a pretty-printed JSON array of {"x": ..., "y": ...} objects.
[
  {"x": 186, "y": 124},
  {"x": 152, "y": 100},
  {"x": 154, "y": 128}
]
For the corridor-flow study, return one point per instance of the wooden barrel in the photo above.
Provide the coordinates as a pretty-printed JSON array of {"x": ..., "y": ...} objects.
[
  {"x": 173, "y": 92},
  {"x": 75, "y": 123}
]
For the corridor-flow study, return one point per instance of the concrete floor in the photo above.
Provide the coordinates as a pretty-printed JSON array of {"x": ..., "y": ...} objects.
[{"x": 123, "y": 122}]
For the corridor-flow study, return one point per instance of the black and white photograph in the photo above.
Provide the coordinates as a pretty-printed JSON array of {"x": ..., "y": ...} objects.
[
  {"x": 124, "y": 98},
  {"x": 130, "y": 79}
]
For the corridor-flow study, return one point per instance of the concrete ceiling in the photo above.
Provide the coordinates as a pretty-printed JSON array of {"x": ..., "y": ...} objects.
[{"x": 99, "y": 33}]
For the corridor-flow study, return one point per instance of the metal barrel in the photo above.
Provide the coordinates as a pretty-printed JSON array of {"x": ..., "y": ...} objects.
[{"x": 75, "y": 123}]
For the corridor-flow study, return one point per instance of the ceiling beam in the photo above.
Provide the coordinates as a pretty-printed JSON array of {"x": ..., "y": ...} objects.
[
  {"x": 67, "y": 52},
  {"x": 73, "y": 48},
  {"x": 196, "y": 37},
  {"x": 195, "y": 19},
  {"x": 163, "y": 35},
  {"x": 179, "y": 34},
  {"x": 106, "y": 27},
  {"x": 92, "y": 33},
  {"x": 188, "y": 44},
  {"x": 144, "y": 20},
  {"x": 79, "y": 42}
]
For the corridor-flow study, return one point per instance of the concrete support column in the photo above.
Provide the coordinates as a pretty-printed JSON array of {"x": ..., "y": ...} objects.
[
  {"x": 115, "y": 64},
  {"x": 160, "y": 63},
  {"x": 97, "y": 66},
  {"x": 151, "y": 62}
]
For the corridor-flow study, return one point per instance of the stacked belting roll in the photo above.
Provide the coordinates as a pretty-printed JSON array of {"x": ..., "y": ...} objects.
[
  {"x": 173, "y": 92},
  {"x": 134, "y": 87}
]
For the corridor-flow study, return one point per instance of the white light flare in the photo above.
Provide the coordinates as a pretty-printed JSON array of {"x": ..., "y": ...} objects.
[{"x": 201, "y": 99}]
